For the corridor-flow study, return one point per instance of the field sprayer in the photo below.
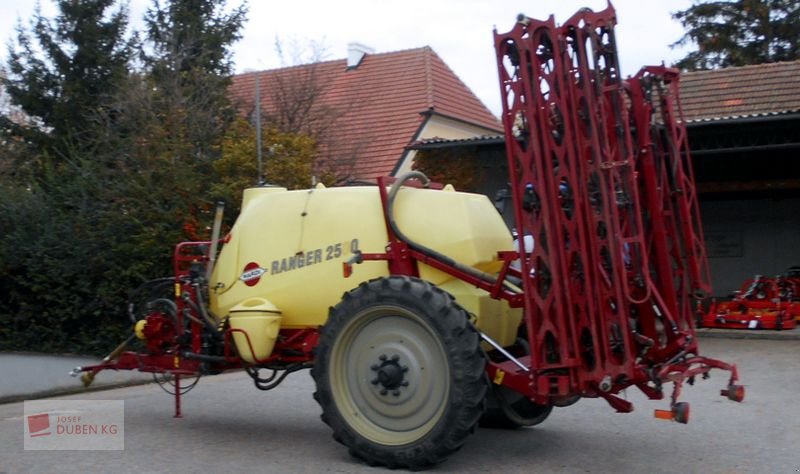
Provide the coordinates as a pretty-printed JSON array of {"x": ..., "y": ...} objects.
[{"x": 414, "y": 311}]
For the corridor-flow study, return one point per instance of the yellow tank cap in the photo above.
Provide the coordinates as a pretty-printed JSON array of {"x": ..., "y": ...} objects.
[
  {"x": 319, "y": 186},
  {"x": 258, "y": 305},
  {"x": 138, "y": 329},
  {"x": 449, "y": 188},
  {"x": 255, "y": 324}
]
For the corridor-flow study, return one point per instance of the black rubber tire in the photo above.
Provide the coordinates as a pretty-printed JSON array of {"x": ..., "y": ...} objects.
[
  {"x": 438, "y": 409},
  {"x": 680, "y": 412},
  {"x": 509, "y": 410},
  {"x": 567, "y": 402},
  {"x": 493, "y": 417}
]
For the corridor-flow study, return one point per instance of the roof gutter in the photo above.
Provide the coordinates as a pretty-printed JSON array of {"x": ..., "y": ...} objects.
[
  {"x": 431, "y": 112},
  {"x": 406, "y": 150},
  {"x": 777, "y": 117},
  {"x": 460, "y": 142}
]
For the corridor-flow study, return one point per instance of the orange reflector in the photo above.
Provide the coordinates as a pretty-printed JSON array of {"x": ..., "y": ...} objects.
[
  {"x": 739, "y": 393},
  {"x": 663, "y": 414},
  {"x": 347, "y": 269}
]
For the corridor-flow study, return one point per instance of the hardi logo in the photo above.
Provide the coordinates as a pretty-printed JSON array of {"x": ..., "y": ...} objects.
[
  {"x": 39, "y": 425},
  {"x": 252, "y": 274}
]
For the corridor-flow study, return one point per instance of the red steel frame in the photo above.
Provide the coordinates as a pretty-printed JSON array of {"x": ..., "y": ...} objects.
[
  {"x": 601, "y": 178},
  {"x": 181, "y": 359}
]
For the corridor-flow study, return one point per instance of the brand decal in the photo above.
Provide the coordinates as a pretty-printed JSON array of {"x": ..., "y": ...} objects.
[
  {"x": 314, "y": 256},
  {"x": 252, "y": 274}
]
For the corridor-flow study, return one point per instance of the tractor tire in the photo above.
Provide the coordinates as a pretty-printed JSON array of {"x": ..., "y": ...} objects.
[{"x": 400, "y": 374}]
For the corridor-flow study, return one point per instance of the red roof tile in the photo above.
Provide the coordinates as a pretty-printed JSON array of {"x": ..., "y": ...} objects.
[
  {"x": 737, "y": 92},
  {"x": 379, "y": 104}
]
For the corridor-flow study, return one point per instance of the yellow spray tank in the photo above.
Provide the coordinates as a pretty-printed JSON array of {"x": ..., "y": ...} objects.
[{"x": 282, "y": 260}]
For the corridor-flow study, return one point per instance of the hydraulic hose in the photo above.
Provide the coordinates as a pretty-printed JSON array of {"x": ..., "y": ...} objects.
[
  {"x": 212, "y": 254},
  {"x": 201, "y": 308},
  {"x": 417, "y": 246}
]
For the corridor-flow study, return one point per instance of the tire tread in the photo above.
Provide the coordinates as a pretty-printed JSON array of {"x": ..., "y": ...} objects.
[{"x": 462, "y": 345}]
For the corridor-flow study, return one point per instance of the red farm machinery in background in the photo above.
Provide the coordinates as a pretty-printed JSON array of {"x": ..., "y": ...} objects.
[{"x": 761, "y": 303}]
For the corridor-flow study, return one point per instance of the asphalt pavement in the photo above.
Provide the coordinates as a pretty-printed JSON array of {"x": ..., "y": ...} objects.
[
  {"x": 229, "y": 425},
  {"x": 27, "y": 376}
]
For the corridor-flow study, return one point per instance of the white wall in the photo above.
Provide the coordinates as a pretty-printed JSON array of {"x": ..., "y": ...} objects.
[{"x": 442, "y": 127}]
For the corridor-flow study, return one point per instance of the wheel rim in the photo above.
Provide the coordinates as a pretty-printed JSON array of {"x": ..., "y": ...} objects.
[{"x": 390, "y": 375}]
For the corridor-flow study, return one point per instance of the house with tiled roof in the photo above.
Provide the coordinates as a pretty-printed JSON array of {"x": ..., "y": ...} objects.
[
  {"x": 737, "y": 113},
  {"x": 746, "y": 92},
  {"x": 369, "y": 107},
  {"x": 743, "y": 125}
]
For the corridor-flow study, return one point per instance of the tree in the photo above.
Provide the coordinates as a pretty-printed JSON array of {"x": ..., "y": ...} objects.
[
  {"x": 62, "y": 70},
  {"x": 64, "y": 286},
  {"x": 739, "y": 32},
  {"x": 61, "y": 283},
  {"x": 190, "y": 68},
  {"x": 297, "y": 93},
  {"x": 177, "y": 114},
  {"x": 288, "y": 160},
  {"x": 133, "y": 176}
]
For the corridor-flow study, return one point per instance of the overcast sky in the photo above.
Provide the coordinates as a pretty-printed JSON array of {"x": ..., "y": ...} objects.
[{"x": 460, "y": 31}]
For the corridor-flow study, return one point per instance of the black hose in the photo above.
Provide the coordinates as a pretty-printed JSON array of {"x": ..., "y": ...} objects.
[
  {"x": 417, "y": 246},
  {"x": 154, "y": 286},
  {"x": 204, "y": 357},
  {"x": 200, "y": 309},
  {"x": 278, "y": 375}
]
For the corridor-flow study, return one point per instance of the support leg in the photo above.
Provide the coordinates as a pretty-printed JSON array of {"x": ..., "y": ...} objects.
[{"x": 178, "y": 397}]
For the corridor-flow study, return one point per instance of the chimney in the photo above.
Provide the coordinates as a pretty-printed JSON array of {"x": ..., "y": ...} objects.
[{"x": 356, "y": 53}]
